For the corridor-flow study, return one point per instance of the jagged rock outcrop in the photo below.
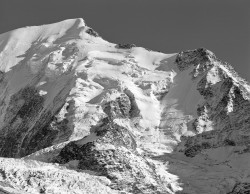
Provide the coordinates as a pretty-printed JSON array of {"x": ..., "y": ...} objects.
[
  {"x": 241, "y": 188},
  {"x": 223, "y": 116},
  {"x": 112, "y": 153},
  {"x": 125, "y": 46}
]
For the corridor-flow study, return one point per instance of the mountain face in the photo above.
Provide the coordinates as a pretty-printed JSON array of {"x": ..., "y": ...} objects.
[{"x": 79, "y": 114}]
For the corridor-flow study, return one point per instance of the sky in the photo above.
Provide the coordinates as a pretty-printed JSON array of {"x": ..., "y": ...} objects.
[{"x": 169, "y": 26}]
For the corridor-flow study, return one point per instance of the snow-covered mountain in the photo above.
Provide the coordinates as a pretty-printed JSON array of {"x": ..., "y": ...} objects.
[{"x": 79, "y": 114}]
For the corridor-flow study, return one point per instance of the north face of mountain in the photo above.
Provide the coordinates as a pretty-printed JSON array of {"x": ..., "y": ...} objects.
[{"x": 124, "y": 118}]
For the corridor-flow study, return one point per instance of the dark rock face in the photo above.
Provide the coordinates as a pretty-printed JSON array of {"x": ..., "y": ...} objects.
[
  {"x": 118, "y": 108},
  {"x": 91, "y": 32},
  {"x": 194, "y": 150},
  {"x": 124, "y": 106},
  {"x": 113, "y": 154},
  {"x": 44, "y": 132},
  {"x": 109, "y": 133},
  {"x": 39, "y": 138},
  {"x": 24, "y": 107},
  {"x": 1, "y": 76},
  {"x": 241, "y": 188},
  {"x": 193, "y": 57},
  {"x": 229, "y": 126},
  {"x": 226, "y": 105},
  {"x": 28, "y": 127},
  {"x": 25, "y": 104},
  {"x": 134, "y": 110},
  {"x": 125, "y": 46},
  {"x": 27, "y": 119}
]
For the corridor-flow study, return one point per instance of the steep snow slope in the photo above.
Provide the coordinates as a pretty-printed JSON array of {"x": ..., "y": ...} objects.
[{"x": 149, "y": 122}]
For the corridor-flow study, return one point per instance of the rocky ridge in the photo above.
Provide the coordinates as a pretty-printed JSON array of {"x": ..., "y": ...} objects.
[{"x": 223, "y": 118}]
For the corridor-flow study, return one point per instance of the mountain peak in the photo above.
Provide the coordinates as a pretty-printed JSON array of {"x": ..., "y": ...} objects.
[
  {"x": 128, "y": 118},
  {"x": 194, "y": 57}
]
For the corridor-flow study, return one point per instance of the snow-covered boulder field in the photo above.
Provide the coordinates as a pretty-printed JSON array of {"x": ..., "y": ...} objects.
[{"x": 79, "y": 114}]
